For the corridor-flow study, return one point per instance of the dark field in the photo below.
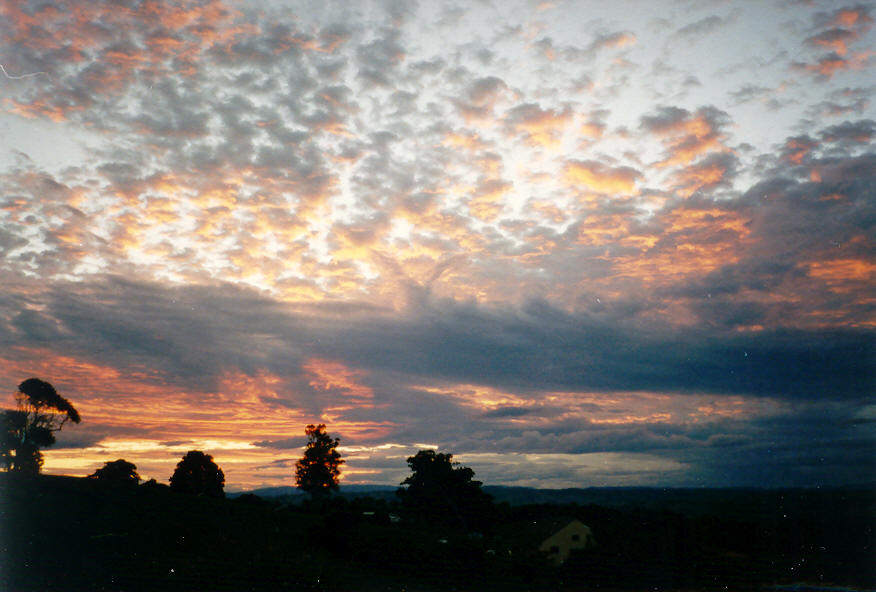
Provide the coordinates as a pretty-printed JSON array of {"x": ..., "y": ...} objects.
[{"x": 63, "y": 533}]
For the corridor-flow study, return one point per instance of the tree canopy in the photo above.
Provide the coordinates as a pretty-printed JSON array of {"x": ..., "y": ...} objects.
[
  {"x": 439, "y": 489},
  {"x": 40, "y": 412},
  {"x": 197, "y": 474},
  {"x": 317, "y": 472},
  {"x": 117, "y": 472}
]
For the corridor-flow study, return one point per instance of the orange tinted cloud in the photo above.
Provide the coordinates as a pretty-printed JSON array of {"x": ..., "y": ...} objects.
[
  {"x": 540, "y": 127},
  {"x": 796, "y": 149},
  {"x": 597, "y": 408},
  {"x": 357, "y": 430},
  {"x": 464, "y": 139},
  {"x": 345, "y": 385},
  {"x": 327, "y": 375},
  {"x": 833, "y": 63},
  {"x": 844, "y": 275},
  {"x": 356, "y": 241},
  {"x": 604, "y": 229},
  {"x": 844, "y": 28},
  {"x": 704, "y": 175},
  {"x": 592, "y": 129},
  {"x": 601, "y": 178},
  {"x": 479, "y": 397},
  {"x": 623, "y": 40},
  {"x": 614, "y": 40},
  {"x": 487, "y": 200},
  {"x": 110, "y": 44},
  {"x": 851, "y": 17},
  {"x": 689, "y": 139},
  {"x": 41, "y": 108},
  {"x": 142, "y": 399},
  {"x": 692, "y": 242},
  {"x": 687, "y": 136},
  {"x": 834, "y": 39},
  {"x": 630, "y": 418}
]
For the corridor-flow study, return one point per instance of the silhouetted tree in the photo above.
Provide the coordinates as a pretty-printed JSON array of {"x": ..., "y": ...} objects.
[
  {"x": 250, "y": 499},
  {"x": 40, "y": 412},
  {"x": 440, "y": 490},
  {"x": 13, "y": 426},
  {"x": 117, "y": 472},
  {"x": 318, "y": 470},
  {"x": 196, "y": 473},
  {"x": 153, "y": 485}
]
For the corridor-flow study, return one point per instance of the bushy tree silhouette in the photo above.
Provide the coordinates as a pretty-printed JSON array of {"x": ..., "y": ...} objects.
[
  {"x": 318, "y": 470},
  {"x": 117, "y": 472},
  {"x": 153, "y": 485},
  {"x": 441, "y": 490},
  {"x": 197, "y": 474},
  {"x": 40, "y": 412}
]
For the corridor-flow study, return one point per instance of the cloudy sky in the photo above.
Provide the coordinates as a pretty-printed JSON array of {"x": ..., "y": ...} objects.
[{"x": 574, "y": 243}]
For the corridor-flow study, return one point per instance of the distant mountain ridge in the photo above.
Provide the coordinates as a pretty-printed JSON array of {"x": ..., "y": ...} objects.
[
  {"x": 731, "y": 500},
  {"x": 288, "y": 490}
]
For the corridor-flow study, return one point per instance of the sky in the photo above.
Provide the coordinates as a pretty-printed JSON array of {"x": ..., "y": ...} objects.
[{"x": 573, "y": 243}]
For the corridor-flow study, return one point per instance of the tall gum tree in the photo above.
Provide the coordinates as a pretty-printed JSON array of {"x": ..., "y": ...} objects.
[{"x": 40, "y": 412}]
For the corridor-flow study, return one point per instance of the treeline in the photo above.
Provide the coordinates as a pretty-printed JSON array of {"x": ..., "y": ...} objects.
[
  {"x": 79, "y": 534},
  {"x": 195, "y": 474}
]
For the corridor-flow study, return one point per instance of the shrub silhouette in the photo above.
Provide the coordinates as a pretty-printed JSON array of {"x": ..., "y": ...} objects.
[{"x": 153, "y": 485}]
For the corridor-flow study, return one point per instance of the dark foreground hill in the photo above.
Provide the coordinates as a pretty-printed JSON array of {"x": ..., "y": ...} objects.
[
  {"x": 741, "y": 503},
  {"x": 63, "y": 533}
]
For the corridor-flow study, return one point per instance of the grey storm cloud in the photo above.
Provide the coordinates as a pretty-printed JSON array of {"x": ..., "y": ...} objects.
[
  {"x": 193, "y": 333},
  {"x": 789, "y": 448},
  {"x": 753, "y": 452},
  {"x": 857, "y": 132}
]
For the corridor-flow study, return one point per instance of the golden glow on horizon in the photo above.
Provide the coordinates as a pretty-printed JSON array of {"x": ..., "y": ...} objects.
[
  {"x": 628, "y": 419},
  {"x": 248, "y": 465}
]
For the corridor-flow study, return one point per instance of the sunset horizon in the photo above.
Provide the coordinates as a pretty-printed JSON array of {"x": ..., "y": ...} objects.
[{"x": 572, "y": 244}]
